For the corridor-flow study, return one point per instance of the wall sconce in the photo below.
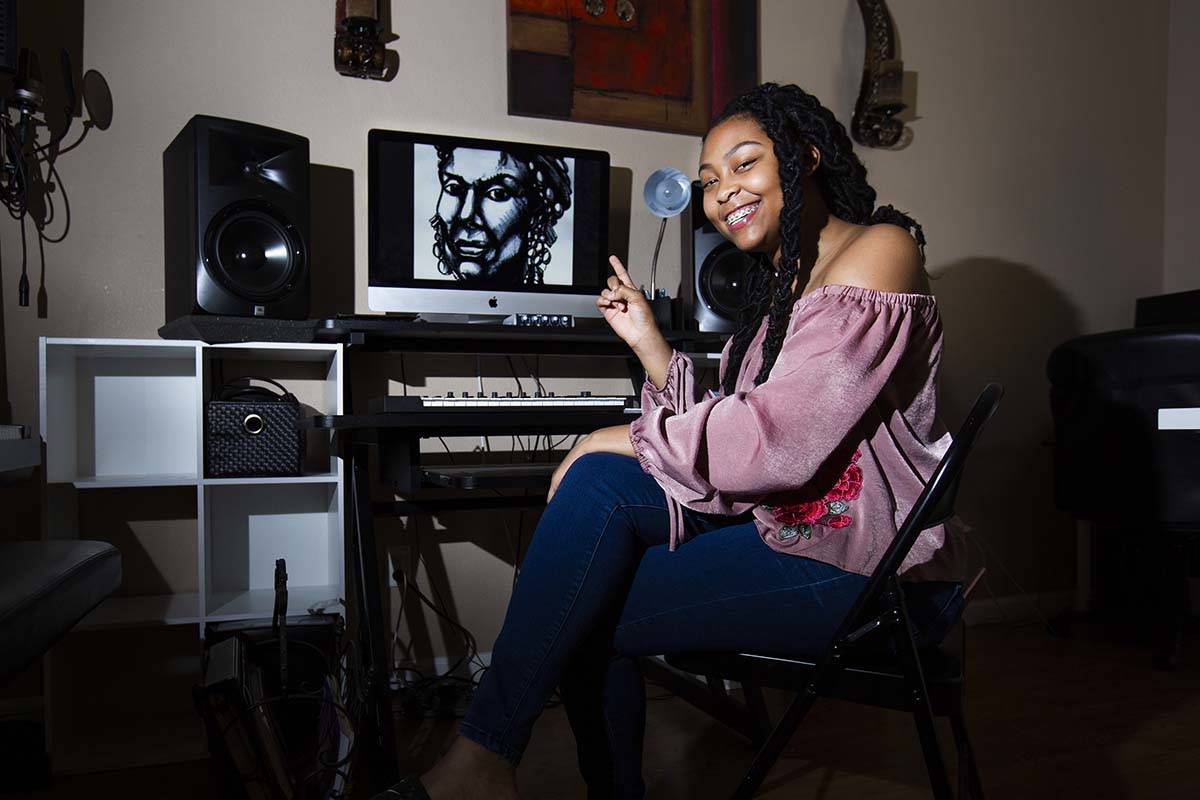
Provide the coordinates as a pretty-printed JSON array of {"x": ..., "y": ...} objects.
[
  {"x": 881, "y": 96},
  {"x": 358, "y": 49}
]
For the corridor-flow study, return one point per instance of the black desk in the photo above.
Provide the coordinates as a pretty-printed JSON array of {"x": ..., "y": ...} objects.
[
  {"x": 397, "y": 439},
  {"x": 591, "y": 338}
]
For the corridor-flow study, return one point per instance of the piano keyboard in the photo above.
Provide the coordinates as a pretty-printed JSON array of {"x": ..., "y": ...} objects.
[{"x": 397, "y": 403}]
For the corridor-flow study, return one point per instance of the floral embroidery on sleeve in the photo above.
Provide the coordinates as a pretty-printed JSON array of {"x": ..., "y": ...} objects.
[{"x": 830, "y": 511}]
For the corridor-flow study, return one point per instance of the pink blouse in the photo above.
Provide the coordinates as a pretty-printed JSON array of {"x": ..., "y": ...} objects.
[{"x": 831, "y": 451}]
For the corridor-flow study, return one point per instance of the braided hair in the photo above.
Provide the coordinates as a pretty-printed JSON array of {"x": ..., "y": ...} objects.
[
  {"x": 548, "y": 184},
  {"x": 793, "y": 120}
]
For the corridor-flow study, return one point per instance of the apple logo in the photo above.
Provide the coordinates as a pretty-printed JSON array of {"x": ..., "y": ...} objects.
[{"x": 493, "y": 303}]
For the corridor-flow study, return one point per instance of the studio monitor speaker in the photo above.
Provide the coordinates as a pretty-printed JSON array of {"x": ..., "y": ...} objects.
[
  {"x": 713, "y": 280},
  {"x": 236, "y": 214}
]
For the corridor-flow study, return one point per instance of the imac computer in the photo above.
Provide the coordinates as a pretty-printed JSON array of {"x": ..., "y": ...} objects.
[{"x": 484, "y": 230}]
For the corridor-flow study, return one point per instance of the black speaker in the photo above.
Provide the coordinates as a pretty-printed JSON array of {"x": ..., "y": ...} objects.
[
  {"x": 714, "y": 273},
  {"x": 236, "y": 215}
]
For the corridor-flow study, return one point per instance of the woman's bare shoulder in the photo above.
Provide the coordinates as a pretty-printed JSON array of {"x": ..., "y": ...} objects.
[{"x": 883, "y": 257}]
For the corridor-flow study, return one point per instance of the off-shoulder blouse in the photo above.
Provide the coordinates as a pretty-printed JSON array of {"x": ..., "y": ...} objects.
[{"x": 831, "y": 451}]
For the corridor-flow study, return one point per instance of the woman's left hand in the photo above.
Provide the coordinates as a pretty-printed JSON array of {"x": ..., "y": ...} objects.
[{"x": 606, "y": 440}]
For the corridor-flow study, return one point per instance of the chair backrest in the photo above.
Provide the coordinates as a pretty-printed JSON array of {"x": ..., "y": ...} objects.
[{"x": 934, "y": 505}]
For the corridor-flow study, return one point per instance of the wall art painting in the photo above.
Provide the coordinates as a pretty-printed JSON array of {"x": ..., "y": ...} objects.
[{"x": 667, "y": 65}]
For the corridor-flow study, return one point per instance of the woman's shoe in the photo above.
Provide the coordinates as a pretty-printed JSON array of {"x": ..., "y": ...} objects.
[{"x": 409, "y": 788}]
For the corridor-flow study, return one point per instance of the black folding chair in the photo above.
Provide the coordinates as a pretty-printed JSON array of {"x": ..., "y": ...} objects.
[{"x": 897, "y": 675}]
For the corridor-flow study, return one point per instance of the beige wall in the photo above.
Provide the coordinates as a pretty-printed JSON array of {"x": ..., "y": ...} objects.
[
  {"x": 1181, "y": 234},
  {"x": 1036, "y": 167}
]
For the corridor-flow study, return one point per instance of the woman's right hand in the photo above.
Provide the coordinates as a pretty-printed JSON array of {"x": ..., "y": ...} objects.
[{"x": 626, "y": 309}]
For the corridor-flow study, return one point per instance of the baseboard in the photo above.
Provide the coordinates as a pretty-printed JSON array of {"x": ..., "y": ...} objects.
[{"x": 985, "y": 609}]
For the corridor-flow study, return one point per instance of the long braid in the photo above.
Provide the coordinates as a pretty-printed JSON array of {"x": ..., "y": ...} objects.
[{"x": 793, "y": 120}]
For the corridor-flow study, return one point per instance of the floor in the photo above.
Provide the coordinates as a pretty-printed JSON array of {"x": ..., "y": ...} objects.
[{"x": 1077, "y": 717}]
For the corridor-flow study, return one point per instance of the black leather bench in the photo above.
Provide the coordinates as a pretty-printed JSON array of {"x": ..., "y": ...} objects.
[{"x": 46, "y": 587}]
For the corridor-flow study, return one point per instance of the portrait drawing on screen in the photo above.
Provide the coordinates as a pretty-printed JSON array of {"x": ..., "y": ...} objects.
[{"x": 492, "y": 219}]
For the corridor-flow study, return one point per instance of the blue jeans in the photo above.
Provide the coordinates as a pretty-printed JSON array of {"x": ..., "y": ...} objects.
[{"x": 598, "y": 588}]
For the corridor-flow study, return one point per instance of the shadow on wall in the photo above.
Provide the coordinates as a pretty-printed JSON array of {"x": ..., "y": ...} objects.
[
  {"x": 45, "y": 27},
  {"x": 620, "y": 201},
  {"x": 1002, "y": 319},
  {"x": 331, "y": 240}
]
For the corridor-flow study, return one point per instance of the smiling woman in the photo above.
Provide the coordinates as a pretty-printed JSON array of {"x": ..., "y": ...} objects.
[{"x": 743, "y": 520}]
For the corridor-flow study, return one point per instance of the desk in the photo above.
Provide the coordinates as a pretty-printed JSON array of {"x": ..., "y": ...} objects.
[{"x": 397, "y": 437}]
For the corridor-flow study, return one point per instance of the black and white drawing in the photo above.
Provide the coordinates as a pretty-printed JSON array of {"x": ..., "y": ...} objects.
[{"x": 491, "y": 218}]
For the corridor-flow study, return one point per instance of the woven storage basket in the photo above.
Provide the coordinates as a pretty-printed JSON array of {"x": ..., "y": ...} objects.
[{"x": 250, "y": 431}]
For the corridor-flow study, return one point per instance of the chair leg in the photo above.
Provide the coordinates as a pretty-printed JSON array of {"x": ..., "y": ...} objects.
[
  {"x": 939, "y": 779},
  {"x": 969, "y": 783},
  {"x": 922, "y": 713},
  {"x": 756, "y": 704},
  {"x": 769, "y": 754},
  {"x": 1173, "y": 606}
]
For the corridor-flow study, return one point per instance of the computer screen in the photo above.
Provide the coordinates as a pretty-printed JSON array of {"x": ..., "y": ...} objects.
[{"x": 474, "y": 226}]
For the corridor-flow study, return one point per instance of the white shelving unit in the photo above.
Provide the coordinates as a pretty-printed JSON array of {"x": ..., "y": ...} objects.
[{"x": 124, "y": 419}]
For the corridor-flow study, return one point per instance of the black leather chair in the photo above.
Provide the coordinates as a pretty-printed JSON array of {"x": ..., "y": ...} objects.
[
  {"x": 890, "y": 672},
  {"x": 1115, "y": 468}
]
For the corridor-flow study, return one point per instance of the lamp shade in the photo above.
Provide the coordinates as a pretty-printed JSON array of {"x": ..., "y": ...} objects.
[{"x": 667, "y": 192}]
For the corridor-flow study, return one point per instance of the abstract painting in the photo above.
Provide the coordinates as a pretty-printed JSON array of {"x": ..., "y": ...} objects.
[{"x": 667, "y": 65}]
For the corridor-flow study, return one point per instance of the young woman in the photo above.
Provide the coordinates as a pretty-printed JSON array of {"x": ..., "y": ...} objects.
[{"x": 747, "y": 519}]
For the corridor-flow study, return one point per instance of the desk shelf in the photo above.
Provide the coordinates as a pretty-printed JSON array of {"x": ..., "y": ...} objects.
[
  {"x": 321, "y": 477},
  {"x": 133, "y": 481},
  {"x": 122, "y": 422},
  {"x": 254, "y": 603}
]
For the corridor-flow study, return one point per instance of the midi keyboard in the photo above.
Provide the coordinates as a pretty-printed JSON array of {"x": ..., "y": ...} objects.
[{"x": 543, "y": 402}]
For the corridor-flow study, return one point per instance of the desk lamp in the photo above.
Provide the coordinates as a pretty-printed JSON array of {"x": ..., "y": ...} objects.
[{"x": 667, "y": 193}]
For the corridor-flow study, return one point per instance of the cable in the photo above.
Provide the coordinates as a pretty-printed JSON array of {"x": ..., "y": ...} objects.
[
  {"x": 402, "y": 581},
  {"x": 533, "y": 373},
  {"x": 988, "y": 553},
  {"x": 66, "y": 207},
  {"x": 23, "y": 283},
  {"x": 513, "y": 369},
  {"x": 87, "y": 126},
  {"x": 41, "y": 310},
  {"x": 472, "y": 648},
  {"x": 449, "y": 454}
]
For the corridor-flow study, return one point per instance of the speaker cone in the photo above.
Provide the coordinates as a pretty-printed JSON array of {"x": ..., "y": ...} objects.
[
  {"x": 253, "y": 250},
  {"x": 723, "y": 279}
]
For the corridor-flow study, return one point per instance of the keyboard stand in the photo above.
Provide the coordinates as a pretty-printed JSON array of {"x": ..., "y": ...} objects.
[
  {"x": 490, "y": 476},
  {"x": 396, "y": 437}
]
